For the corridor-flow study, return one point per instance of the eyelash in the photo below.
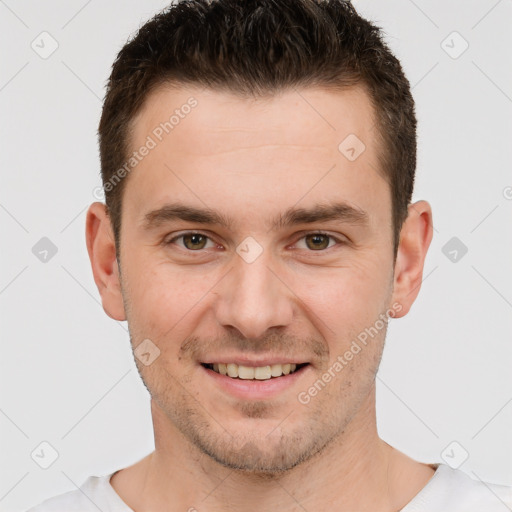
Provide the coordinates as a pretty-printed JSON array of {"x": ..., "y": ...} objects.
[{"x": 304, "y": 235}]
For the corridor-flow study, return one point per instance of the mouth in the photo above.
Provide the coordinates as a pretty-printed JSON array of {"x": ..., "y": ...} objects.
[{"x": 243, "y": 372}]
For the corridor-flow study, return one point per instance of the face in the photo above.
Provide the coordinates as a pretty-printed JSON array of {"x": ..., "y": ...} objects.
[{"x": 253, "y": 243}]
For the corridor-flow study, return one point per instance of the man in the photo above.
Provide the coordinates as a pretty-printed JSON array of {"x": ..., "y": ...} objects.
[{"x": 258, "y": 160}]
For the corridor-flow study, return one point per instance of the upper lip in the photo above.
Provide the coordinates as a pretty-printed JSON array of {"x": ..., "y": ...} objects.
[{"x": 252, "y": 361}]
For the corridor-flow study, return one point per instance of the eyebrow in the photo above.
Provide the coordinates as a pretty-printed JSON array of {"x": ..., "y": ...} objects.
[{"x": 339, "y": 211}]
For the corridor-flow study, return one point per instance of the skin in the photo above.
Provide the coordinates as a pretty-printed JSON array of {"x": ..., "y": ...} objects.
[{"x": 251, "y": 160}]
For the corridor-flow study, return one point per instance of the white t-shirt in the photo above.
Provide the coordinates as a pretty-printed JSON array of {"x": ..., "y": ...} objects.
[{"x": 449, "y": 490}]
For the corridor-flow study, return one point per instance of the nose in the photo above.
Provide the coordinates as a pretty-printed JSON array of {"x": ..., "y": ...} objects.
[{"x": 254, "y": 298}]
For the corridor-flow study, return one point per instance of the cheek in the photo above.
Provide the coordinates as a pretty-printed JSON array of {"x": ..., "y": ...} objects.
[
  {"x": 163, "y": 299},
  {"x": 347, "y": 297},
  {"x": 346, "y": 305}
]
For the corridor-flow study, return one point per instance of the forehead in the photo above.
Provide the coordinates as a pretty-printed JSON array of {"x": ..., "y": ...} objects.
[
  {"x": 212, "y": 145},
  {"x": 296, "y": 116}
]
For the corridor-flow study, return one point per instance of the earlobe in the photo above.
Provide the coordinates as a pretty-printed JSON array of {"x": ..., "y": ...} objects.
[
  {"x": 415, "y": 238},
  {"x": 102, "y": 254}
]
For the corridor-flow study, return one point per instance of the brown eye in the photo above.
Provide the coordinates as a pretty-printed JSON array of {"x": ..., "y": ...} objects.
[
  {"x": 194, "y": 241},
  {"x": 317, "y": 241}
]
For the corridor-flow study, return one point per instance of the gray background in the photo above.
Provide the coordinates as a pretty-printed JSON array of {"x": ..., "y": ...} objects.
[{"x": 67, "y": 373}]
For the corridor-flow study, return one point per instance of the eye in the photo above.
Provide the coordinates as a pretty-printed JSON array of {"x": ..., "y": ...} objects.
[
  {"x": 316, "y": 241},
  {"x": 192, "y": 241},
  {"x": 319, "y": 241}
]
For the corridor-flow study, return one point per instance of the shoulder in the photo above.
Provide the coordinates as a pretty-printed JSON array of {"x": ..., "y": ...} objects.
[
  {"x": 71, "y": 501},
  {"x": 95, "y": 493},
  {"x": 452, "y": 489}
]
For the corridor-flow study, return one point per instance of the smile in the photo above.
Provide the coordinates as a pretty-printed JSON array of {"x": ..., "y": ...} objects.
[{"x": 236, "y": 371}]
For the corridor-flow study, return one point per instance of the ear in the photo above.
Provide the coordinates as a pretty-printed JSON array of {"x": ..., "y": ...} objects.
[
  {"x": 415, "y": 238},
  {"x": 102, "y": 253}
]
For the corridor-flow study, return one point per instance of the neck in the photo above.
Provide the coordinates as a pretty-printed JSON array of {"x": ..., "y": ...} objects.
[{"x": 356, "y": 471}]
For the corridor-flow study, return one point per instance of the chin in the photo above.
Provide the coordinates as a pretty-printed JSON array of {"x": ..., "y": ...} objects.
[
  {"x": 259, "y": 453},
  {"x": 253, "y": 459}
]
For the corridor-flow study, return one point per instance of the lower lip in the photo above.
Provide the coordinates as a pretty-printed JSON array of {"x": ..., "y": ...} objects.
[{"x": 256, "y": 389}]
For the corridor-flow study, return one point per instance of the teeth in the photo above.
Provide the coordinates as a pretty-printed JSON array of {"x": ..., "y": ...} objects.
[
  {"x": 254, "y": 373},
  {"x": 245, "y": 372},
  {"x": 276, "y": 370},
  {"x": 232, "y": 370},
  {"x": 262, "y": 372}
]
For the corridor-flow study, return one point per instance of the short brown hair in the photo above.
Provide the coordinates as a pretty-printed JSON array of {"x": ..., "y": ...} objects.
[{"x": 255, "y": 48}]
